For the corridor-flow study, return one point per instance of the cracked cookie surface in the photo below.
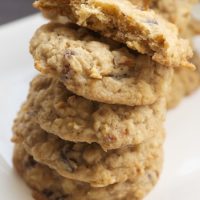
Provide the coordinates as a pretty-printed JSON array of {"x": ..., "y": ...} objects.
[
  {"x": 97, "y": 68},
  {"x": 139, "y": 29},
  {"x": 74, "y": 118},
  {"x": 47, "y": 184},
  {"x": 87, "y": 162}
]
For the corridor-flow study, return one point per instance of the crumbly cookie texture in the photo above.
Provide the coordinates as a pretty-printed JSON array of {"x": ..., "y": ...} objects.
[
  {"x": 139, "y": 29},
  {"x": 97, "y": 68},
  {"x": 87, "y": 162},
  {"x": 48, "y": 185},
  {"x": 74, "y": 118}
]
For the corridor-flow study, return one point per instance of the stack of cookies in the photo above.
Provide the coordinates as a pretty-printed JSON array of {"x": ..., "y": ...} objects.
[{"x": 92, "y": 125}]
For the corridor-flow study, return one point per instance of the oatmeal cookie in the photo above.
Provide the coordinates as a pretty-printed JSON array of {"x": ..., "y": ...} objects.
[
  {"x": 96, "y": 68},
  {"x": 184, "y": 82},
  {"x": 74, "y": 118},
  {"x": 87, "y": 162},
  {"x": 141, "y": 30},
  {"x": 48, "y": 185}
]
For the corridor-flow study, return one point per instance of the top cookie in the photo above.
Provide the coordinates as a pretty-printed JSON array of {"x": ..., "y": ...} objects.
[
  {"x": 97, "y": 68},
  {"x": 141, "y": 30}
]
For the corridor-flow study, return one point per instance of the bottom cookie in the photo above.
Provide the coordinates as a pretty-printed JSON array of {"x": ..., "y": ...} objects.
[{"x": 48, "y": 185}]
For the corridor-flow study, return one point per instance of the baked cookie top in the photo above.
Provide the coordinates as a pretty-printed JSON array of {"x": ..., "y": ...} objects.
[
  {"x": 47, "y": 184},
  {"x": 74, "y": 118},
  {"x": 97, "y": 68},
  {"x": 87, "y": 162},
  {"x": 121, "y": 20}
]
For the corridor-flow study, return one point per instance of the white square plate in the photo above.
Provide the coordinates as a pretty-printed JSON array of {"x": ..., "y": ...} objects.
[{"x": 181, "y": 174}]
